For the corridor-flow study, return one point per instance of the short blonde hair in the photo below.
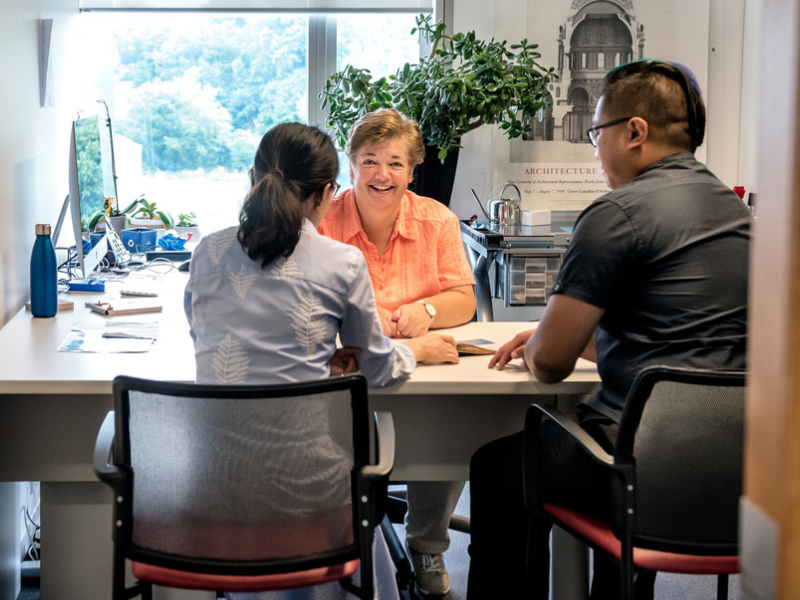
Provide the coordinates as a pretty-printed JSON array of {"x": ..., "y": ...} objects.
[{"x": 384, "y": 125}]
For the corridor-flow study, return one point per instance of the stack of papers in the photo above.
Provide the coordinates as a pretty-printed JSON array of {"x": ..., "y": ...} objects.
[
  {"x": 132, "y": 330},
  {"x": 117, "y": 336}
]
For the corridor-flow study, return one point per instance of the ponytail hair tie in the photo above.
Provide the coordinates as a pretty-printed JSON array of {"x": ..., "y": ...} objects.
[{"x": 278, "y": 172}]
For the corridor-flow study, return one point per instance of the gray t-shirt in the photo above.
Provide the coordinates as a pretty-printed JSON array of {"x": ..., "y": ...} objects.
[{"x": 666, "y": 257}]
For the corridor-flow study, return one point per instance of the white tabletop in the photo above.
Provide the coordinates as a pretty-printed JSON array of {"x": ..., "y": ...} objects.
[{"x": 31, "y": 362}]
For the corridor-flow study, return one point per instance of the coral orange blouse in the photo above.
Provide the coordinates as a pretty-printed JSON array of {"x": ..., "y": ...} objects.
[{"x": 424, "y": 256}]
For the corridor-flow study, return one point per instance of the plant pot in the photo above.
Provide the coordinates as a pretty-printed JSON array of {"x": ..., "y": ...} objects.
[
  {"x": 434, "y": 179},
  {"x": 117, "y": 222}
]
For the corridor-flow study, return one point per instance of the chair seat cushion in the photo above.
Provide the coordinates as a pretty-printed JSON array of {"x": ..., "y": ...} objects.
[
  {"x": 234, "y": 583},
  {"x": 600, "y": 534}
]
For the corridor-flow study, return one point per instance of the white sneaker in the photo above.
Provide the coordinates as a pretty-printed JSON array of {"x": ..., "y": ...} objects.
[{"x": 430, "y": 574}]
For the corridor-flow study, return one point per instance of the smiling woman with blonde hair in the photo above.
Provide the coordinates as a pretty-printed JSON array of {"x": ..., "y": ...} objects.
[
  {"x": 412, "y": 244},
  {"x": 421, "y": 279}
]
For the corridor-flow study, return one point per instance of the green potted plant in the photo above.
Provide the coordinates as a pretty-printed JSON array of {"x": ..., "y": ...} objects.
[
  {"x": 149, "y": 215},
  {"x": 463, "y": 84},
  {"x": 187, "y": 225},
  {"x": 117, "y": 217}
]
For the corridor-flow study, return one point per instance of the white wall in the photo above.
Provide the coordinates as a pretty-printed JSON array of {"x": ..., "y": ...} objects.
[
  {"x": 34, "y": 144},
  {"x": 34, "y": 141}
]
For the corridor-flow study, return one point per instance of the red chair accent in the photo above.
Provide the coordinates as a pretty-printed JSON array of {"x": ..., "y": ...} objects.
[
  {"x": 240, "y": 583},
  {"x": 599, "y": 534}
]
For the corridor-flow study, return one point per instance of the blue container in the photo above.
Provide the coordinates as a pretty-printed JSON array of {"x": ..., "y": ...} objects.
[
  {"x": 44, "y": 274},
  {"x": 96, "y": 237},
  {"x": 139, "y": 239}
]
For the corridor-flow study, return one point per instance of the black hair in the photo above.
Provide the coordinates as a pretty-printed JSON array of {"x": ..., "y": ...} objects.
[
  {"x": 294, "y": 162},
  {"x": 665, "y": 94}
]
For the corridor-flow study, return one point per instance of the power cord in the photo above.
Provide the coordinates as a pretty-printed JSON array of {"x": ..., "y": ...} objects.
[{"x": 34, "y": 539}]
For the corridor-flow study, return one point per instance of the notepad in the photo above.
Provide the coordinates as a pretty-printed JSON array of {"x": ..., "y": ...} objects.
[
  {"x": 124, "y": 307},
  {"x": 62, "y": 305},
  {"x": 469, "y": 350}
]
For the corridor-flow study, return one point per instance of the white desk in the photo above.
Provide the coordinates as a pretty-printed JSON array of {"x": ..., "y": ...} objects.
[{"x": 52, "y": 405}]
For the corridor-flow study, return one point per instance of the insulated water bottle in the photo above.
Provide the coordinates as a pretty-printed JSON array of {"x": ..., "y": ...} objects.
[{"x": 44, "y": 274}]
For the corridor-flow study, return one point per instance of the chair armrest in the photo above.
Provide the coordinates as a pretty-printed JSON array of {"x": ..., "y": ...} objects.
[
  {"x": 373, "y": 480},
  {"x": 571, "y": 426},
  {"x": 384, "y": 439},
  {"x": 102, "y": 451}
]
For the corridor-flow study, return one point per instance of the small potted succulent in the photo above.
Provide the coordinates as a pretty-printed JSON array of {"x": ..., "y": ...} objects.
[
  {"x": 150, "y": 216},
  {"x": 187, "y": 225}
]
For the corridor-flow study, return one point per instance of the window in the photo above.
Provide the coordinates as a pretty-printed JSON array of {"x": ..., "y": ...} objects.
[{"x": 192, "y": 93}]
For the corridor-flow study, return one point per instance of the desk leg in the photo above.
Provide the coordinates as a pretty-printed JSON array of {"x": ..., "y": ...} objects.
[
  {"x": 570, "y": 567},
  {"x": 76, "y": 541},
  {"x": 483, "y": 291},
  {"x": 10, "y": 531}
]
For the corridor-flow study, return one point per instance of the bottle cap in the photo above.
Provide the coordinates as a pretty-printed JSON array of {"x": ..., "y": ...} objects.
[{"x": 43, "y": 229}]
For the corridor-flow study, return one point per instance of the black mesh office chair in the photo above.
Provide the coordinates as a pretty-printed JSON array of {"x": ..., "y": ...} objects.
[
  {"x": 243, "y": 488},
  {"x": 678, "y": 476}
]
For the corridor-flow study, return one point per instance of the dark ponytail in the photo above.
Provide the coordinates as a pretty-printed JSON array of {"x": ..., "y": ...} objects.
[{"x": 294, "y": 162}]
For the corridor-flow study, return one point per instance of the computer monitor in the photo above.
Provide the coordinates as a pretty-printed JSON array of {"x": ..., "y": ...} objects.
[{"x": 91, "y": 180}]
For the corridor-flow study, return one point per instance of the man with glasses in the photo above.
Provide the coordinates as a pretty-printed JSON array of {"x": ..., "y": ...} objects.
[{"x": 655, "y": 273}]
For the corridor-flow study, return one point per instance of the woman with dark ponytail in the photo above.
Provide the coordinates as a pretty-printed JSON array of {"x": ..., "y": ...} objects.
[
  {"x": 266, "y": 301},
  {"x": 273, "y": 294},
  {"x": 292, "y": 164}
]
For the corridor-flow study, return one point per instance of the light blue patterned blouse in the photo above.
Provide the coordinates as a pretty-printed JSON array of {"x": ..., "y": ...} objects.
[{"x": 279, "y": 323}]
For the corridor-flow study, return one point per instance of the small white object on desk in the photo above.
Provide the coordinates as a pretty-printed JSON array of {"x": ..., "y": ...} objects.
[{"x": 536, "y": 217}]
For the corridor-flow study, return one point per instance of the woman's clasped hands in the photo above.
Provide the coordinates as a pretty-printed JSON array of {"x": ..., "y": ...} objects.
[{"x": 409, "y": 320}]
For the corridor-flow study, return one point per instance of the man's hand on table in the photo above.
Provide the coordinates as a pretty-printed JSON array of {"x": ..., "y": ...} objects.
[{"x": 515, "y": 348}]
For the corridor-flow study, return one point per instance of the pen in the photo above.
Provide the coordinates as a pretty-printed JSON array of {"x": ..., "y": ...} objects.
[{"x": 99, "y": 307}]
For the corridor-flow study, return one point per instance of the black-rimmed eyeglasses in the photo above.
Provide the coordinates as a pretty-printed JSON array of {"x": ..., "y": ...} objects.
[
  {"x": 335, "y": 188},
  {"x": 592, "y": 131}
]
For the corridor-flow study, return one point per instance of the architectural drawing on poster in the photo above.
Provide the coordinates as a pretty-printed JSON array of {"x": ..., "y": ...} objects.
[{"x": 583, "y": 39}]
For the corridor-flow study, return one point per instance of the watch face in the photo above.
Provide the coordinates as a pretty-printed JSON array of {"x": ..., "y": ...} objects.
[{"x": 430, "y": 309}]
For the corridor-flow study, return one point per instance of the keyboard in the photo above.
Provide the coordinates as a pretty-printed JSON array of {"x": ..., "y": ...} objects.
[{"x": 142, "y": 285}]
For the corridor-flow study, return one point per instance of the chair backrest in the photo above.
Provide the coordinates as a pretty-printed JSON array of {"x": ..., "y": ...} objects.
[
  {"x": 239, "y": 479},
  {"x": 683, "y": 431}
]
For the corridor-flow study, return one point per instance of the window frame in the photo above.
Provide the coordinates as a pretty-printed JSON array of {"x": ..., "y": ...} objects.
[{"x": 322, "y": 29}]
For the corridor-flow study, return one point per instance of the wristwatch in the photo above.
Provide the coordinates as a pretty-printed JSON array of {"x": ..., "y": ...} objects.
[{"x": 429, "y": 308}]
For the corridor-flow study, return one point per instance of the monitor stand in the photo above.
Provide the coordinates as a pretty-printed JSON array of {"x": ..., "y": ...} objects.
[{"x": 95, "y": 256}]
